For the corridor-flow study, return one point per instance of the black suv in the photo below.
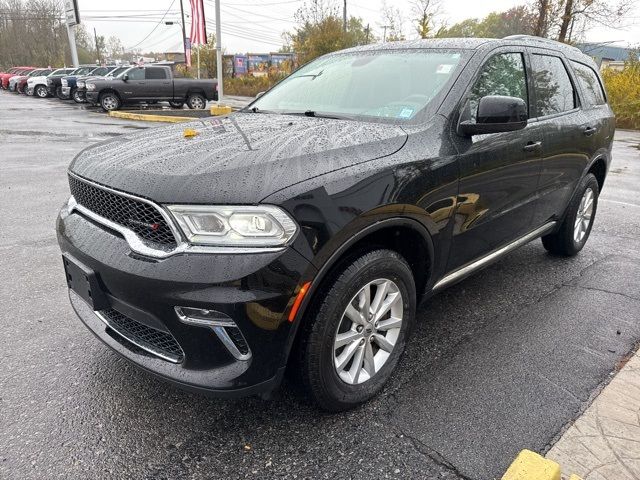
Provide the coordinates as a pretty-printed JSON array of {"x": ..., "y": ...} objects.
[{"x": 304, "y": 230}]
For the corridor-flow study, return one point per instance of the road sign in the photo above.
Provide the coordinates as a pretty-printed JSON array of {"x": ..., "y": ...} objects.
[{"x": 72, "y": 14}]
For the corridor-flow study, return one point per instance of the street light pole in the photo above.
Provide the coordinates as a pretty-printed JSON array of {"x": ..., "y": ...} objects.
[{"x": 219, "y": 52}]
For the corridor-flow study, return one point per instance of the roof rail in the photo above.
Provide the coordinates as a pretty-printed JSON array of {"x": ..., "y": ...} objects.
[{"x": 541, "y": 40}]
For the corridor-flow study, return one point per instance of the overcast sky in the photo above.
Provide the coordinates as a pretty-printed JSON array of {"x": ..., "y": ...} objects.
[{"x": 257, "y": 25}]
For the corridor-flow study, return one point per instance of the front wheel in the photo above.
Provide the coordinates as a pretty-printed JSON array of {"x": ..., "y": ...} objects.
[
  {"x": 109, "y": 102},
  {"x": 59, "y": 93},
  {"x": 41, "y": 91},
  {"x": 77, "y": 96},
  {"x": 196, "y": 101},
  {"x": 576, "y": 227},
  {"x": 357, "y": 331}
]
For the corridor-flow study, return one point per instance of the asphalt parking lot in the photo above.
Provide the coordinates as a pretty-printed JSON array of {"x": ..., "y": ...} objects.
[{"x": 502, "y": 361}]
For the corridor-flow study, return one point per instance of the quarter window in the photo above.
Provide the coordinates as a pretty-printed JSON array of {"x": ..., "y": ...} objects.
[
  {"x": 554, "y": 91},
  {"x": 503, "y": 74},
  {"x": 591, "y": 87}
]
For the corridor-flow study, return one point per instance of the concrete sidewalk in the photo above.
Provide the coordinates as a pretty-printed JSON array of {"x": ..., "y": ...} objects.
[{"x": 604, "y": 443}]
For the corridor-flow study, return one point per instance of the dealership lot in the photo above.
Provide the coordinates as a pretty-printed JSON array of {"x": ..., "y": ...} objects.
[{"x": 500, "y": 362}]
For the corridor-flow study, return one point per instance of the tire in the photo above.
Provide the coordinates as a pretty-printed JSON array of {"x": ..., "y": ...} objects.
[
  {"x": 196, "y": 101},
  {"x": 40, "y": 91},
  {"x": 176, "y": 104},
  {"x": 578, "y": 221},
  {"x": 59, "y": 93},
  {"x": 335, "y": 388},
  {"x": 110, "y": 101},
  {"x": 77, "y": 96}
]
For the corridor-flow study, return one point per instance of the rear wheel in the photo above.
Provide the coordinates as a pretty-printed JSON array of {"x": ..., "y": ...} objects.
[
  {"x": 109, "y": 102},
  {"x": 41, "y": 91},
  {"x": 358, "y": 330},
  {"x": 196, "y": 101},
  {"x": 576, "y": 227}
]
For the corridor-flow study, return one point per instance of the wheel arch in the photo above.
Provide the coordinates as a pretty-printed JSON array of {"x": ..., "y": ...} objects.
[{"x": 418, "y": 252}]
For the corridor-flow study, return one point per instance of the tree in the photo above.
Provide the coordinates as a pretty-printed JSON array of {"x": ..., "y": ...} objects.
[
  {"x": 320, "y": 31},
  {"x": 114, "y": 48},
  {"x": 392, "y": 19},
  {"x": 604, "y": 12},
  {"x": 515, "y": 21},
  {"x": 208, "y": 56},
  {"x": 425, "y": 11}
]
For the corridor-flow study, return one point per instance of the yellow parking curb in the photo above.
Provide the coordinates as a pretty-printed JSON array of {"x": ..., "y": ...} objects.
[
  {"x": 529, "y": 465},
  {"x": 220, "y": 110},
  {"x": 150, "y": 118}
]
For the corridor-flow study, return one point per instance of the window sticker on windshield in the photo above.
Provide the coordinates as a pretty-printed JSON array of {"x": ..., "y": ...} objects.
[
  {"x": 444, "y": 68},
  {"x": 405, "y": 113}
]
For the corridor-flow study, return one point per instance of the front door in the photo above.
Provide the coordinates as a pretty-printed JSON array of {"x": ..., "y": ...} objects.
[{"x": 498, "y": 172}]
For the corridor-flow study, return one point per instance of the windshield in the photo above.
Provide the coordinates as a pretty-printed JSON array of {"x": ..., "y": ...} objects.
[
  {"x": 35, "y": 73},
  {"x": 82, "y": 70},
  {"x": 58, "y": 72},
  {"x": 375, "y": 85}
]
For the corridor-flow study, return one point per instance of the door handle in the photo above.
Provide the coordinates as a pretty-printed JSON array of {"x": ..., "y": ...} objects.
[
  {"x": 532, "y": 146},
  {"x": 589, "y": 131}
]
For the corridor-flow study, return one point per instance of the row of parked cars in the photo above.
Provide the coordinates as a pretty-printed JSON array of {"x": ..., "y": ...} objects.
[{"x": 112, "y": 86}]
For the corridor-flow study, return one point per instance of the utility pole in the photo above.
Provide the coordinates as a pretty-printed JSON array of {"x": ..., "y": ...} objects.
[
  {"x": 344, "y": 16},
  {"x": 384, "y": 36},
  {"x": 219, "y": 53},
  {"x": 184, "y": 33},
  {"x": 366, "y": 31},
  {"x": 72, "y": 44},
  {"x": 95, "y": 36}
]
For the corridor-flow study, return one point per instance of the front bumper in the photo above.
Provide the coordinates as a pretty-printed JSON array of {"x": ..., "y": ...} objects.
[
  {"x": 255, "y": 291},
  {"x": 92, "y": 97}
]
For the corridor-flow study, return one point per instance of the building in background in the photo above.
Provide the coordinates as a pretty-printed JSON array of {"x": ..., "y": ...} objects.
[{"x": 607, "y": 56}]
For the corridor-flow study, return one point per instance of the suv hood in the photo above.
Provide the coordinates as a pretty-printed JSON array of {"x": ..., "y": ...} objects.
[{"x": 242, "y": 158}]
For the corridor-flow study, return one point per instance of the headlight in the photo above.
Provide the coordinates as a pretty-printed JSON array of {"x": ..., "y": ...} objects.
[
  {"x": 91, "y": 86},
  {"x": 65, "y": 83},
  {"x": 234, "y": 226},
  {"x": 80, "y": 84},
  {"x": 49, "y": 81}
]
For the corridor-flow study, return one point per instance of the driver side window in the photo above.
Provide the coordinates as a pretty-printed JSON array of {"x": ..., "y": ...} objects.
[
  {"x": 503, "y": 74},
  {"x": 136, "y": 74}
]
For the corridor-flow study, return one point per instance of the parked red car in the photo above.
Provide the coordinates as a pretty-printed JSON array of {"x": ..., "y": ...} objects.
[
  {"x": 21, "y": 84},
  {"x": 4, "y": 77}
]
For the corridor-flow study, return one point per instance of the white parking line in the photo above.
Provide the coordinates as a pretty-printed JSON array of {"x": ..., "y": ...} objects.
[{"x": 619, "y": 203}]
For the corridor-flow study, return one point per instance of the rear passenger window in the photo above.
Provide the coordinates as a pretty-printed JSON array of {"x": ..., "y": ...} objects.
[
  {"x": 503, "y": 74},
  {"x": 591, "y": 87},
  {"x": 554, "y": 91},
  {"x": 155, "y": 74}
]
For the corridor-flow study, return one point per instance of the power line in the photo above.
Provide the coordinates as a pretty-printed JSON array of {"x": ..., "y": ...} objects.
[{"x": 154, "y": 28}]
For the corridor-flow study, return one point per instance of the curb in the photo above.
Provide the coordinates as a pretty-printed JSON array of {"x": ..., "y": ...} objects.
[
  {"x": 220, "y": 110},
  {"x": 150, "y": 118},
  {"x": 529, "y": 465}
]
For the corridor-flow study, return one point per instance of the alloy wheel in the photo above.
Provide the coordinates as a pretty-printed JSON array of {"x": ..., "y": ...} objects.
[
  {"x": 109, "y": 102},
  {"x": 368, "y": 331},
  {"x": 583, "y": 216},
  {"x": 197, "y": 103}
]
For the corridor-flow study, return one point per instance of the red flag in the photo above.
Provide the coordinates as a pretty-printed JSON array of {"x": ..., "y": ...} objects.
[
  {"x": 198, "y": 23},
  {"x": 187, "y": 51}
]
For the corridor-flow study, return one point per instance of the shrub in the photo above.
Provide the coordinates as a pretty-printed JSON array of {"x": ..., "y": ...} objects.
[
  {"x": 249, "y": 86},
  {"x": 623, "y": 89}
]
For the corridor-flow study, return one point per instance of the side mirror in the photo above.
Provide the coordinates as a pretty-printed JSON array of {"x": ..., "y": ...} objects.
[
  {"x": 259, "y": 94},
  {"x": 125, "y": 77},
  {"x": 497, "y": 113}
]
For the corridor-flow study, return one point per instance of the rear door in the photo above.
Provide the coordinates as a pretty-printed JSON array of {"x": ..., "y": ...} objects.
[
  {"x": 566, "y": 144},
  {"x": 158, "y": 83},
  {"x": 498, "y": 172}
]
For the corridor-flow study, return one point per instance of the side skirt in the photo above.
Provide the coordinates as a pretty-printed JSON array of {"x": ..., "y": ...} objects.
[{"x": 465, "y": 271}]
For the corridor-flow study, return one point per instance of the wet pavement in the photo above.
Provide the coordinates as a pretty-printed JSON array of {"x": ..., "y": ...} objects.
[{"x": 503, "y": 361}]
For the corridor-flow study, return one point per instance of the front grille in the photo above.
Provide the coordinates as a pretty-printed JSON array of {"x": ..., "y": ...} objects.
[
  {"x": 154, "y": 341},
  {"x": 238, "y": 339},
  {"x": 140, "y": 217}
]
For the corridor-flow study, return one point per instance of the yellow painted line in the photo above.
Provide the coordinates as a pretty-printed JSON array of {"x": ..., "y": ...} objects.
[
  {"x": 150, "y": 118},
  {"x": 220, "y": 110}
]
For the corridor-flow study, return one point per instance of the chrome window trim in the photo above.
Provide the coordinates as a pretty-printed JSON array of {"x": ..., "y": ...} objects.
[
  {"x": 146, "y": 348},
  {"x": 138, "y": 245},
  {"x": 491, "y": 257}
]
